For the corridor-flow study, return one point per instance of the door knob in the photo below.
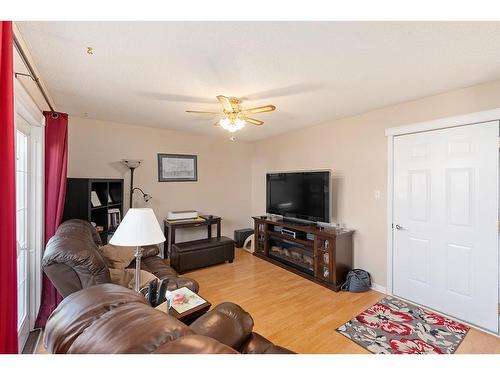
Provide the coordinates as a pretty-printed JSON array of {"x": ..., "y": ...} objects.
[{"x": 399, "y": 227}]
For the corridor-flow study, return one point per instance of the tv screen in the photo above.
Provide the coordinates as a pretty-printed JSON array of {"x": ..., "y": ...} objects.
[{"x": 300, "y": 195}]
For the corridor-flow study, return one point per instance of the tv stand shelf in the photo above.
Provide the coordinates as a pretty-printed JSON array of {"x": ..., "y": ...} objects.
[
  {"x": 320, "y": 254},
  {"x": 308, "y": 243}
]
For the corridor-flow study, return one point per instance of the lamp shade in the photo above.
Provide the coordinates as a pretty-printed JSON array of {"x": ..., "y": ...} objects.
[
  {"x": 132, "y": 163},
  {"x": 139, "y": 227}
]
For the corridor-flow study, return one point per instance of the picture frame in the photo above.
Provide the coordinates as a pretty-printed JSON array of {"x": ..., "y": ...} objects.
[{"x": 177, "y": 167}]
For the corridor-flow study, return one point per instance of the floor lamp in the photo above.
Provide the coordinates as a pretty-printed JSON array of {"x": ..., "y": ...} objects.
[
  {"x": 138, "y": 228},
  {"x": 132, "y": 164}
]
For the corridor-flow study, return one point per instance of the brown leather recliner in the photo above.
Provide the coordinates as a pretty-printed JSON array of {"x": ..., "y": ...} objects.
[
  {"x": 111, "y": 319},
  {"x": 72, "y": 262}
]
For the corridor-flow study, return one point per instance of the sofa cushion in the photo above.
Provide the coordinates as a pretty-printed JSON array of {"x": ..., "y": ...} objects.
[{"x": 117, "y": 257}]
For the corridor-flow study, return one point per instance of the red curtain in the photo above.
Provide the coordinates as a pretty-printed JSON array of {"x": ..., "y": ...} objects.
[
  {"x": 56, "y": 160},
  {"x": 8, "y": 250}
]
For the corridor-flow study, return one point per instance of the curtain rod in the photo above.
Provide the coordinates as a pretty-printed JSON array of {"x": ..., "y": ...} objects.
[{"x": 32, "y": 73}]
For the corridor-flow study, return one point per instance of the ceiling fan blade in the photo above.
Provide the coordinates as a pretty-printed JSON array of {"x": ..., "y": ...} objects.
[
  {"x": 204, "y": 112},
  {"x": 265, "y": 108},
  {"x": 253, "y": 121},
  {"x": 226, "y": 103}
]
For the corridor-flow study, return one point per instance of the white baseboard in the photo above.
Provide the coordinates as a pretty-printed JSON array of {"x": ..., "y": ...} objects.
[{"x": 379, "y": 288}]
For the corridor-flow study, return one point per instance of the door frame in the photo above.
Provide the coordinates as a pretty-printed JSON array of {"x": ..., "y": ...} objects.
[
  {"x": 25, "y": 107},
  {"x": 419, "y": 127}
]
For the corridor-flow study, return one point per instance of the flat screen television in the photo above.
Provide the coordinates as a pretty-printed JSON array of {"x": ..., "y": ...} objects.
[{"x": 299, "y": 195}]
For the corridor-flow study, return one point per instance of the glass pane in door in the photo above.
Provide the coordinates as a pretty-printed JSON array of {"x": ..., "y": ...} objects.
[{"x": 22, "y": 225}]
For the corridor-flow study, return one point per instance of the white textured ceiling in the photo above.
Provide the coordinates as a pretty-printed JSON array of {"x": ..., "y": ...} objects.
[{"x": 149, "y": 73}]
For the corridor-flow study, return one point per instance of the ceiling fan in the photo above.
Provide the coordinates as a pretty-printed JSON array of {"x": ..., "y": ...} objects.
[{"x": 234, "y": 117}]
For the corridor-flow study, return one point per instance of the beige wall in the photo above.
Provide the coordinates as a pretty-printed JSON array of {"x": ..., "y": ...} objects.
[
  {"x": 223, "y": 187},
  {"x": 355, "y": 149},
  {"x": 232, "y": 175}
]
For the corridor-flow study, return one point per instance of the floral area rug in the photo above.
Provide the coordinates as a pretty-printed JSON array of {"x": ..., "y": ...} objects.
[{"x": 392, "y": 326}]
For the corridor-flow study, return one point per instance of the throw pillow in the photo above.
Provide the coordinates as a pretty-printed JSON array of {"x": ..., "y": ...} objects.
[
  {"x": 126, "y": 277},
  {"x": 118, "y": 257}
]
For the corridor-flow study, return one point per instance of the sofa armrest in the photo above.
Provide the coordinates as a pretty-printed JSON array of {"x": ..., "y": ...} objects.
[
  {"x": 227, "y": 323},
  {"x": 256, "y": 344},
  {"x": 179, "y": 282},
  {"x": 150, "y": 251},
  {"x": 64, "y": 278},
  {"x": 161, "y": 270}
]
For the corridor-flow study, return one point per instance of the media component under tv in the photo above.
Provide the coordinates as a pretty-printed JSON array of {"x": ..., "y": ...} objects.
[{"x": 299, "y": 195}]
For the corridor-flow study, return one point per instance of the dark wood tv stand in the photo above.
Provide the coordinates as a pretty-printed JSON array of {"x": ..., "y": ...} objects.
[{"x": 320, "y": 254}]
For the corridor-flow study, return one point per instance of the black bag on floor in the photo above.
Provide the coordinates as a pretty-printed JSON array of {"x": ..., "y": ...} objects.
[{"x": 357, "y": 281}]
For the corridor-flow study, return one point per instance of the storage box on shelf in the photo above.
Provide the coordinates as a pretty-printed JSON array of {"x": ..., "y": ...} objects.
[{"x": 321, "y": 254}]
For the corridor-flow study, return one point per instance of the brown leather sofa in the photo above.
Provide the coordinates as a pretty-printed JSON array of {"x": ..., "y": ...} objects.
[
  {"x": 72, "y": 262},
  {"x": 109, "y": 318}
]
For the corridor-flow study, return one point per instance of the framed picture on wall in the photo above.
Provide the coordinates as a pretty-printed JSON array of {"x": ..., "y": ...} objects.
[{"x": 177, "y": 167}]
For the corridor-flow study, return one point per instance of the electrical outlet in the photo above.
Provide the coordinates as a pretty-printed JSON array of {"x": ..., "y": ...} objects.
[{"x": 376, "y": 194}]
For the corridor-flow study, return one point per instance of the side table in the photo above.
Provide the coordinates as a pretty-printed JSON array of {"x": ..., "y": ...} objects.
[
  {"x": 169, "y": 228},
  {"x": 189, "y": 316}
]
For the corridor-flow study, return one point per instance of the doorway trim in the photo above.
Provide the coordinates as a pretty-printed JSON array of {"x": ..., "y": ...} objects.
[
  {"x": 418, "y": 127},
  {"x": 25, "y": 107}
]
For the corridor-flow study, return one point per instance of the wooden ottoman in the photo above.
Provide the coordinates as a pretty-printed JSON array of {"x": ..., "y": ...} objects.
[{"x": 186, "y": 256}]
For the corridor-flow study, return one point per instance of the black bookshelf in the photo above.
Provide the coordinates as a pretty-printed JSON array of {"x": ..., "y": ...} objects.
[{"x": 78, "y": 203}]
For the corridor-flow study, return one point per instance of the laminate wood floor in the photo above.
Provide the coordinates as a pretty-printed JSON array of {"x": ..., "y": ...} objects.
[{"x": 294, "y": 312}]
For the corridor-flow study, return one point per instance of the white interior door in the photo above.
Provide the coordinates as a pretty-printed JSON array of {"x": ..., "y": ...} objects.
[{"x": 445, "y": 234}]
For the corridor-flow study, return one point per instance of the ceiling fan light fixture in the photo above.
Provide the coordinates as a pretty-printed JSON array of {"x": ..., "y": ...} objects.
[
  {"x": 234, "y": 117},
  {"x": 224, "y": 123},
  {"x": 232, "y": 125}
]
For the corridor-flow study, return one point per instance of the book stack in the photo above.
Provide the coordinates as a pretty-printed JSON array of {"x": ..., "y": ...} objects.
[{"x": 114, "y": 218}]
